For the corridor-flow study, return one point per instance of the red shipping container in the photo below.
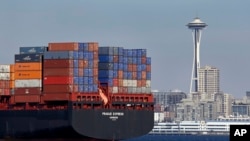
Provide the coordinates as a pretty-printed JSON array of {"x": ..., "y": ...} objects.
[
  {"x": 95, "y": 64},
  {"x": 139, "y": 83},
  {"x": 130, "y": 67},
  {"x": 27, "y": 98},
  {"x": 95, "y": 80},
  {"x": 120, "y": 89},
  {"x": 75, "y": 88},
  {"x": 125, "y": 90},
  {"x": 115, "y": 82},
  {"x": 120, "y": 74},
  {"x": 58, "y": 80},
  {"x": 19, "y": 91},
  {"x": 58, "y": 89},
  {"x": 96, "y": 56},
  {"x": 134, "y": 68},
  {"x": 143, "y": 60},
  {"x": 120, "y": 82},
  {"x": 70, "y": 46},
  {"x": 95, "y": 72},
  {"x": 134, "y": 75},
  {"x": 82, "y": 63},
  {"x": 58, "y": 63},
  {"x": 4, "y": 84},
  {"x": 56, "y": 97},
  {"x": 4, "y": 91},
  {"x": 58, "y": 72},
  {"x": 80, "y": 72},
  {"x": 143, "y": 75},
  {"x": 143, "y": 83},
  {"x": 90, "y": 48},
  {"x": 148, "y": 68},
  {"x": 115, "y": 59}
]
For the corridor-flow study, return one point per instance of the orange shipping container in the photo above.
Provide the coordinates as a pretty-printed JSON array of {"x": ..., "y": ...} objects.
[
  {"x": 28, "y": 74},
  {"x": 28, "y": 66},
  {"x": 12, "y": 76},
  {"x": 12, "y": 68},
  {"x": 12, "y": 84},
  {"x": 70, "y": 46}
]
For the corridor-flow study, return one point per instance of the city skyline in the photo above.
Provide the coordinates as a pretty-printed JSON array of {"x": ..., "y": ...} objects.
[{"x": 158, "y": 26}]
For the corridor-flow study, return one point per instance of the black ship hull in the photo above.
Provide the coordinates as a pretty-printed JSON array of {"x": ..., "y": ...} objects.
[{"x": 107, "y": 124}]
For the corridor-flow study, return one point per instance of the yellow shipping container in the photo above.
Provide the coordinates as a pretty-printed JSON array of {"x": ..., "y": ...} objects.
[
  {"x": 28, "y": 66},
  {"x": 28, "y": 75}
]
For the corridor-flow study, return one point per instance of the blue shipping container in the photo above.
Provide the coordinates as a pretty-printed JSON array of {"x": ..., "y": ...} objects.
[
  {"x": 148, "y": 61},
  {"x": 61, "y": 55},
  {"x": 139, "y": 75},
  {"x": 91, "y": 81},
  {"x": 80, "y": 55},
  {"x": 120, "y": 51},
  {"x": 33, "y": 50},
  {"x": 83, "y": 46},
  {"x": 148, "y": 75},
  {"x": 115, "y": 74},
  {"x": 125, "y": 75},
  {"x": 106, "y": 66},
  {"x": 80, "y": 88},
  {"x": 90, "y": 64},
  {"x": 76, "y": 80},
  {"x": 105, "y": 73},
  {"x": 80, "y": 80},
  {"x": 90, "y": 72},
  {"x": 106, "y": 80},
  {"x": 125, "y": 67},
  {"x": 75, "y": 71},
  {"x": 106, "y": 58},
  {"x": 86, "y": 72},
  {"x": 85, "y": 80},
  {"x": 120, "y": 66},
  {"x": 75, "y": 63},
  {"x": 28, "y": 58},
  {"x": 134, "y": 52},
  {"x": 130, "y": 75},
  {"x": 105, "y": 51}
]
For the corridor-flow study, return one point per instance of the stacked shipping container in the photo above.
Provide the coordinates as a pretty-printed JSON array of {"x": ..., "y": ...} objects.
[
  {"x": 71, "y": 67},
  {"x": 63, "y": 68},
  {"x": 125, "y": 70},
  {"x": 6, "y": 79},
  {"x": 28, "y": 70}
]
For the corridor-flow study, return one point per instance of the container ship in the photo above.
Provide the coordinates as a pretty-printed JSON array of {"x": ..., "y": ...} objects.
[{"x": 73, "y": 90}]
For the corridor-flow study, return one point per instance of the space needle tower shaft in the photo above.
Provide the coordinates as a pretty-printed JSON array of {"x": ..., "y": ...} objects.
[{"x": 196, "y": 26}]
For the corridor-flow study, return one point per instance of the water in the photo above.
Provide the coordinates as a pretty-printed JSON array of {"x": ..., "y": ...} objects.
[
  {"x": 181, "y": 138},
  {"x": 155, "y": 138}
]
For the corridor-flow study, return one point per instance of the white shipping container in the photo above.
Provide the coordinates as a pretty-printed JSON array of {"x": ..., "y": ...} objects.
[
  {"x": 28, "y": 83},
  {"x": 125, "y": 83},
  {"x": 134, "y": 90},
  {"x": 148, "y": 83},
  {"x": 134, "y": 83},
  {"x": 4, "y": 68},
  {"x": 130, "y": 90},
  {"x": 4, "y": 76},
  {"x": 115, "y": 89},
  {"x": 148, "y": 90},
  {"x": 138, "y": 90},
  {"x": 143, "y": 89},
  {"x": 130, "y": 83}
]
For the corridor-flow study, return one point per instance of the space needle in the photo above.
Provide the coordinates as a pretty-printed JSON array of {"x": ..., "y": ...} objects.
[{"x": 196, "y": 26}]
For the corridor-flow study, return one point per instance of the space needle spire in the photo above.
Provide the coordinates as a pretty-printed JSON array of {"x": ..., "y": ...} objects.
[{"x": 196, "y": 26}]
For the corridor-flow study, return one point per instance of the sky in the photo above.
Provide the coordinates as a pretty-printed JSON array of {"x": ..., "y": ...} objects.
[{"x": 156, "y": 25}]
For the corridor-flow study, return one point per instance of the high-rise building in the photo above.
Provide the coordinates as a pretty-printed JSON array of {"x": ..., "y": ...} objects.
[{"x": 209, "y": 81}]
